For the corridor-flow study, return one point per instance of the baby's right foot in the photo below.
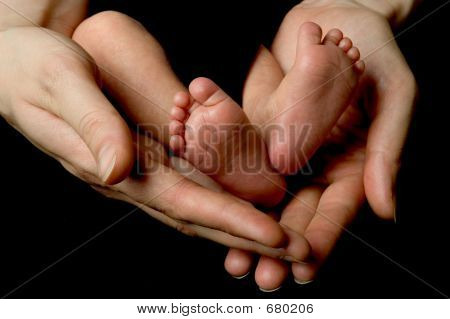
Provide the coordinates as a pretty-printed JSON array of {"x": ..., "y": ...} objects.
[
  {"x": 212, "y": 132},
  {"x": 316, "y": 90}
]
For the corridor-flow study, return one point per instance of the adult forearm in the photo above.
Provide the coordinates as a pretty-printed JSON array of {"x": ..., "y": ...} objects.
[{"x": 59, "y": 15}]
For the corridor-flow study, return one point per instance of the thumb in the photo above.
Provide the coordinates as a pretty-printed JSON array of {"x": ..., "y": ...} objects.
[
  {"x": 387, "y": 135},
  {"x": 78, "y": 100}
]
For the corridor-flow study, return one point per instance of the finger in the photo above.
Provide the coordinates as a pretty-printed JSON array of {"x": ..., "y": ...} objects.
[
  {"x": 187, "y": 170},
  {"x": 92, "y": 116},
  {"x": 238, "y": 263},
  {"x": 63, "y": 83},
  {"x": 169, "y": 192},
  {"x": 192, "y": 229},
  {"x": 337, "y": 207},
  {"x": 387, "y": 135},
  {"x": 130, "y": 191},
  {"x": 143, "y": 82},
  {"x": 270, "y": 273},
  {"x": 298, "y": 248},
  {"x": 296, "y": 216},
  {"x": 301, "y": 209},
  {"x": 58, "y": 77}
]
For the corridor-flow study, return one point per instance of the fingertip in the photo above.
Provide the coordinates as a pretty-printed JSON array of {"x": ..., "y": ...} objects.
[
  {"x": 115, "y": 161},
  {"x": 238, "y": 263},
  {"x": 379, "y": 184},
  {"x": 270, "y": 274},
  {"x": 304, "y": 273}
]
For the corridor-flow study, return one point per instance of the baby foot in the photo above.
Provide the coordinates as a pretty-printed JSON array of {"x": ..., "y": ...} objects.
[
  {"x": 212, "y": 132},
  {"x": 316, "y": 90}
]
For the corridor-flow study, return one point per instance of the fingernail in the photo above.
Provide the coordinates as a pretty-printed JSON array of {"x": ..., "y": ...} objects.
[
  {"x": 269, "y": 290},
  {"x": 107, "y": 159},
  {"x": 301, "y": 282},
  {"x": 241, "y": 277}
]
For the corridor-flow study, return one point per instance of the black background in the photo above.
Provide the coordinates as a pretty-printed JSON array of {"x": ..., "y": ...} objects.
[{"x": 45, "y": 212}]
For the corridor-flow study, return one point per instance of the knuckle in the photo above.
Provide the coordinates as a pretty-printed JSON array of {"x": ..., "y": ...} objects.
[
  {"x": 326, "y": 237},
  {"x": 60, "y": 64},
  {"x": 228, "y": 210},
  {"x": 177, "y": 198},
  {"x": 61, "y": 70},
  {"x": 92, "y": 123}
]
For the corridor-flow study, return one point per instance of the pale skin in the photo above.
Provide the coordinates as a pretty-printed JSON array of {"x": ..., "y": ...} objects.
[
  {"x": 207, "y": 106},
  {"x": 74, "y": 126},
  {"x": 270, "y": 275},
  {"x": 87, "y": 37},
  {"x": 371, "y": 159}
]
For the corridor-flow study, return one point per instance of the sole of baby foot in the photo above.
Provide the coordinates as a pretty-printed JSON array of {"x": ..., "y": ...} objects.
[
  {"x": 212, "y": 132},
  {"x": 312, "y": 96}
]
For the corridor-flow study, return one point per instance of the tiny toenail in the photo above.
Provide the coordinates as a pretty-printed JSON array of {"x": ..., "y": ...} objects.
[
  {"x": 269, "y": 290},
  {"x": 303, "y": 282},
  {"x": 241, "y": 277}
]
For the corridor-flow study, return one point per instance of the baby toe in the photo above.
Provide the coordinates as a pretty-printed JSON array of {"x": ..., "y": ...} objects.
[
  {"x": 334, "y": 36},
  {"x": 176, "y": 128},
  {"x": 177, "y": 113},
  {"x": 353, "y": 54},
  {"x": 360, "y": 66},
  {"x": 346, "y": 44},
  {"x": 182, "y": 100},
  {"x": 206, "y": 92},
  {"x": 309, "y": 33},
  {"x": 177, "y": 144}
]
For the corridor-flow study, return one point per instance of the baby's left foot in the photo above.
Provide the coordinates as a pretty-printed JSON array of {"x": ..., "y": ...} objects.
[{"x": 212, "y": 132}]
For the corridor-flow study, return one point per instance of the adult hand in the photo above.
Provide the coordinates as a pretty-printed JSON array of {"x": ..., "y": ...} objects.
[
  {"x": 40, "y": 67},
  {"x": 178, "y": 200},
  {"x": 388, "y": 82},
  {"x": 321, "y": 210},
  {"x": 370, "y": 155},
  {"x": 49, "y": 92}
]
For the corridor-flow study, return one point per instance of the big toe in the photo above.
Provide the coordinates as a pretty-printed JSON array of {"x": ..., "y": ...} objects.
[
  {"x": 206, "y": 92},
  {"x": 309, "y": 33}
]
